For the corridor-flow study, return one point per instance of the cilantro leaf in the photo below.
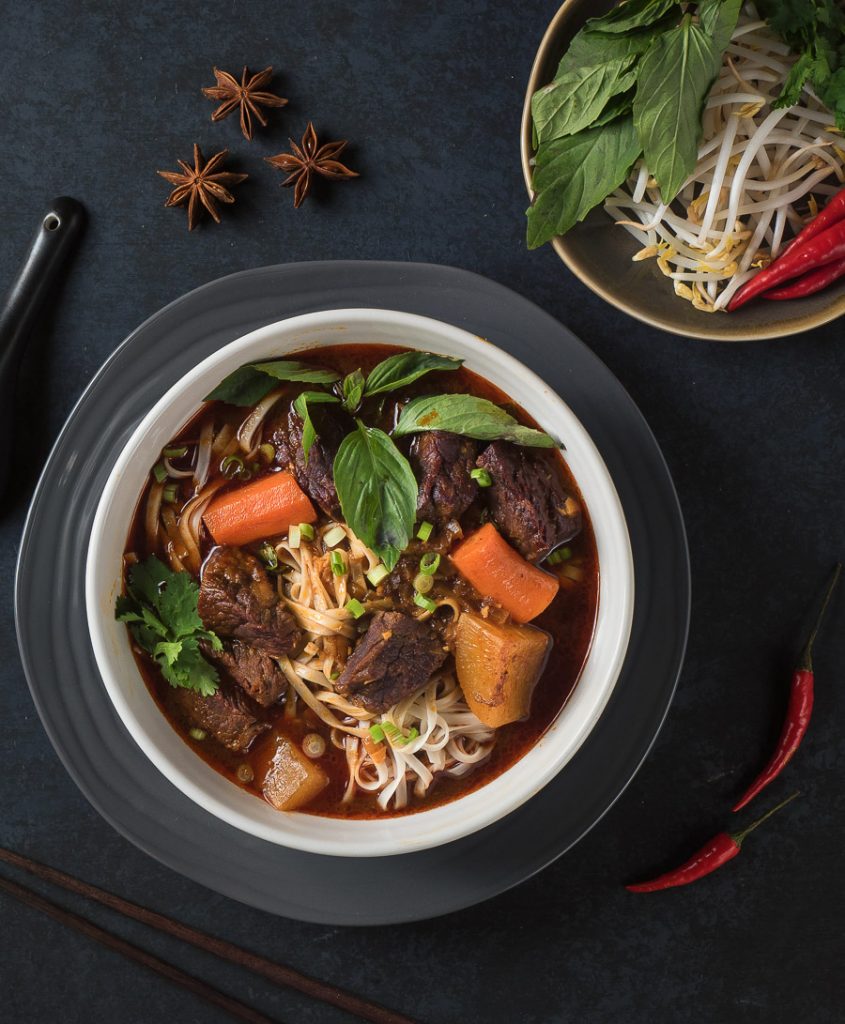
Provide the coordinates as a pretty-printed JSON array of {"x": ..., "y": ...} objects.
[{"x": 160, "y": 609}]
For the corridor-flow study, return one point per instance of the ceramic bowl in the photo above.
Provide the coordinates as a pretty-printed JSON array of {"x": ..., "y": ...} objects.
[
  {"x": 599, "y": 253},
  {"x": 375, "y": 837}
]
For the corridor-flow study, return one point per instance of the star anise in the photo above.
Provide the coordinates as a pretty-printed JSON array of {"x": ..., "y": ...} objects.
[
  {"x": 200, "y": 185},
  {"x": 310, "y": 158},
  {"x": 247, "y": 95}
]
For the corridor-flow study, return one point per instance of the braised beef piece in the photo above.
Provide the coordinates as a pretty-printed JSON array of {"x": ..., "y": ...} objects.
[
  {"x": 228, "y": 715},
  {"x": 253, "y": 670},
  {"x": 392, "y": 660},
  {"x": 238, "y": 599},
  {"x": 526, "y": 499},
  {"x": 315, "y": 475},
  {"x": 443, "y": 464}
]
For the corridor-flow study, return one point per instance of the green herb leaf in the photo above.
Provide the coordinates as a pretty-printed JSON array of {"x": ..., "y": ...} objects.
[
  {"x": 632, "y": 14},
  {"x": 718, "y": 19},
  {"x": 160, "y": 609},
  {"x": 301, "y": 402},
  {"x": 353, "y": 391},
  {"x": 377, "y": 491},
  {"x": 574, "y": 174},
  {"x": 674, "y": 78},
  {"x": 249, "y": 384},
  {"x": 619, "y": 106},
  {"x": 400, "y": 370},
  {"x": 470, "y": 417},
  {"x": 576, "y": 99},
  {"x": 590, "y": 47}
]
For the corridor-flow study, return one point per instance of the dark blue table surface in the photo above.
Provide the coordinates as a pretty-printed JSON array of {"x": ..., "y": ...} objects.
[{"x": 95, "y": 99}]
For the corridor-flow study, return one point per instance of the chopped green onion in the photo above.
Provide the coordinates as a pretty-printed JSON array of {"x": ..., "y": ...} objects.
[
  {"x": 395, "y": 734},
  {"x": 377, "y": 574},
  {"x": 334, "y": 536},
  {"x": 294, "y": 538},
  {"x": 268, "y": 452},
  {"x": 169, "y": 493},
  {"x": 269, "y": 556},
  {"x": 176, "y": 452},
  {"x": 390, "y": 729},
  {"x": 376, "y": 733},
  {"x": 338, "y": 563},
  {"x": 481, "y": 477},
  {"x": 429, "y": 563},
  {"x": 413, "y": 732},
  {"x": 424, "y": 532},
  {"x": 334, "y": 675},
  {"x": 307, "y": 531},
  {"x": 561, "y": 555},
  {"x": 424, "y": 602},
  {"x": 197, "y": 734},
  {"x": 355, "y": 608},
  {"x": 232, "y": 465},
  {"x": 160, "y": 472},
  {"x": 423, "y": 583}
]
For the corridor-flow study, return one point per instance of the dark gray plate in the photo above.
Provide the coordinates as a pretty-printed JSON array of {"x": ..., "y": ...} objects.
[{"x": 124, "y": 786}]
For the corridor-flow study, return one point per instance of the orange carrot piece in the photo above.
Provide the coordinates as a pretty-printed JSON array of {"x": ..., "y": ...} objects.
[
  {"x": 495, "y": 570},
  {"x": 265, "y": 508}
]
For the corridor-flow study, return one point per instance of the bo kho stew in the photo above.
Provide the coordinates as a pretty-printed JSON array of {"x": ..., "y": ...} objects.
[{"x": 360, "y": 582}]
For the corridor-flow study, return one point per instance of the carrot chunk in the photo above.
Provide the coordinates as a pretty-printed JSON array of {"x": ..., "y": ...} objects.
[
  {"x": 495, "y": 570},
  {"x": 267, "y": 507}
]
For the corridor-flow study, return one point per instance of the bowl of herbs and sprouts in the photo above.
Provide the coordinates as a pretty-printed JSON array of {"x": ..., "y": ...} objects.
[{"x": 637, "y": 112}]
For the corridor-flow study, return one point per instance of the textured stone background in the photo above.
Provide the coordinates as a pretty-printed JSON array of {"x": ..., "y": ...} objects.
[{"x": 95, "y": 98}]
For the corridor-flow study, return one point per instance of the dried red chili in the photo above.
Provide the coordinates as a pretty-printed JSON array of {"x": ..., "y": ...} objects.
[
  {"x": 809, "y": 284},
  {"x": 826, "y": 247},
  {"x": 724, "y": 846},
  {"x": 800, "y": 709}
]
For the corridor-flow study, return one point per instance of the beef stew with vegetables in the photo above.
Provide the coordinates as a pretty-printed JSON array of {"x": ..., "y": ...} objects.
[{"x": 360, "y": 582}]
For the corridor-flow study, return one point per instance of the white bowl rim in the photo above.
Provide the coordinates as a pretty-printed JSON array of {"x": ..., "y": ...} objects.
[{"x": 426, "y": 828}]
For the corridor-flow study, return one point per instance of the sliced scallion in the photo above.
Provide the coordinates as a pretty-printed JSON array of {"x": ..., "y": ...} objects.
[
  {"x": 561, "y": 555},
  {"x": 307, "y": 531},
  {"x": 294, "y": 538},
  {"x": 233, "y": 465},
  {"x": 429, "y": 563},
  {"x": 355, "y": 608},
  {"x": 169, "y": 493},
  {"x": 424, "y": 602},
  {"x": 177, "y": 452},
  {"x": 376, "y": 733},
  {"x": 423, "y": 583},
  {"x": 481, "y": 477},
  {"x": 334, "y": 536},
  {"x": 269, "y": 556},
  {"x": 424, "y": 532},
  {"x": 268, "y": 452},
  {"x": 160, "y": 472},
  {"x": 197, "y": 734},
  {"x": 338, "y": 563},
  {"x": 377, "y": 574}
]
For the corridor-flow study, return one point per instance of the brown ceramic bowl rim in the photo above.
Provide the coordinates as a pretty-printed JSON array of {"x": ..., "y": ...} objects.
[{"x": 797, "y": 325}]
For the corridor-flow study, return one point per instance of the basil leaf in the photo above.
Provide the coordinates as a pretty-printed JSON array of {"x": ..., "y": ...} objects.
[
  {"x": 574, "y": 174},
  {"x": 353, "y": 391},
  {"x": 574, "y": 101},
  {"x": 309, "y": 434},
  {"x": 590, "y": 47},
  {"x": 718, "y": 19},
  {"x": 249, "y": 384},
  {"x": 400, "y": 370},
  {"x": 675, "y": 76},
  {"x": 377, "y": 491},
  {"x": 470, "y": 417},
  {"x": 619, "y": 106},
  {"x": 631, "y": 14}
]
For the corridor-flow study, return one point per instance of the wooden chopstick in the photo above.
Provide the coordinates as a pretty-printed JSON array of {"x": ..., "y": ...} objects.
[
  {"x": 93, "y": 931},
  {"x": 280, "y": 974}
]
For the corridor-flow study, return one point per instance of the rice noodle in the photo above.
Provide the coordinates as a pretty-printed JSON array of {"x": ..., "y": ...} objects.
[{"x": 752, "y": 189}]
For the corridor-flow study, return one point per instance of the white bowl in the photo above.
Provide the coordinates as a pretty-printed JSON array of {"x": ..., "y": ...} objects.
[{"x": 372, "y": 837}]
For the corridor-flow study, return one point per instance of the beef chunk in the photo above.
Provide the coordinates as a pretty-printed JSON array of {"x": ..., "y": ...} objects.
[
  {"x": 253, "y": 670},
  {"x": 527, "y": 500},
  {"x": 395, "y": 657},
  {"x": 238, "y": 600},
  {"x": 444, "y": 462},
  {"x": 228, "y": 716},
  {"x": 314, "y": 477}
]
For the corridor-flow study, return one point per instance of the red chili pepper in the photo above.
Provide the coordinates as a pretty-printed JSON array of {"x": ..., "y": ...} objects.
[
  {"x": 826, "y": 247},
  {"x": 718, "y": 851},
  {"x": 799, "y": 711},
  {"x": 809, "y": 284},
  {"x": 834, "y": 211}
]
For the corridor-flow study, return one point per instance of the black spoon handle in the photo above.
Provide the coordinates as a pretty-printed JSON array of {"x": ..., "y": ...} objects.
[{"x": 57, "y": 233}]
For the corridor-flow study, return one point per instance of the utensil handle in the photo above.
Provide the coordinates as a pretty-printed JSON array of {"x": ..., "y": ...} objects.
[{"x": 56, "y": 235}]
